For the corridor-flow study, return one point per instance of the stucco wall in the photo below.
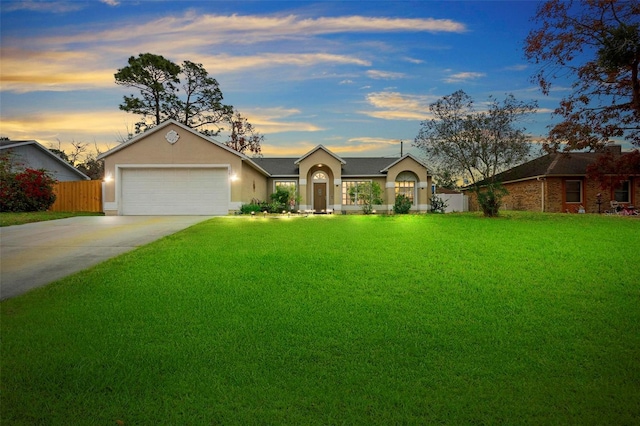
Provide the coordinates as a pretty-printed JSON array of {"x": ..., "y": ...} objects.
[
  {"x": 253, "y": 184},
  {"x": 152, "y": 148},
  {"x": 423, "y": 185}
]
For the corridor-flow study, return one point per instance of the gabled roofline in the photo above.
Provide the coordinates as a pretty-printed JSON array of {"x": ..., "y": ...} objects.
[
  {"x": 47, "y": 152},
  {"x": 254, "y": 165},
  {"x": 408, "y": 155},
  {"x": 162, "y": 126},
  {"x": 322, "y": 147}
]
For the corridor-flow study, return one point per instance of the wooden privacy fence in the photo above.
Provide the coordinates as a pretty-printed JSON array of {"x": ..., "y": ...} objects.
[{"x": 79, "y": 196}]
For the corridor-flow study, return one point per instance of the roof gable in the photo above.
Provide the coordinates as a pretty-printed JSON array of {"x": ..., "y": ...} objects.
[
  {"x": 404, "y": 157},
  {"x": 319, "y": 147},
  {"x": 163, "y": 125},
  {"x": 9, "y": 144}
]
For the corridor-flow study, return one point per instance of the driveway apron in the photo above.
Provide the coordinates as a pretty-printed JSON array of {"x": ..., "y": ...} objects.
[{"x": 36, "y": 254}]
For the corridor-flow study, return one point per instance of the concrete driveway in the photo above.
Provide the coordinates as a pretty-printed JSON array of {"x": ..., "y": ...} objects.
[{"x": 36, "y": 254}]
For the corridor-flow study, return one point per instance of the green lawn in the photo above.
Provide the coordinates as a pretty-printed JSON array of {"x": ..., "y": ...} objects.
[
  {"x": 437, "y": 319},
  {"x": 8, "y": 219}
]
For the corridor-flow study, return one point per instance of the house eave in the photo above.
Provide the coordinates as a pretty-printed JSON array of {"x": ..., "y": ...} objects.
[{"x": 50, "y": 154}]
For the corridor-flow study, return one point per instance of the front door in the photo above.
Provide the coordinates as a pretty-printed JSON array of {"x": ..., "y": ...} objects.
[{"x": 320, "y": 196}]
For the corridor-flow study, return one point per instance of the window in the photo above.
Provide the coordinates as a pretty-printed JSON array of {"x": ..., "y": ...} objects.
[
  {"x": 320, "y": 176},
  {"x": 573, "y": 191},
  {"x": 350, "y": 192},
  {"x": 622, "y": 194},
  {"x": 406, "y": 185},
  {"x": 285, "y": 184}
]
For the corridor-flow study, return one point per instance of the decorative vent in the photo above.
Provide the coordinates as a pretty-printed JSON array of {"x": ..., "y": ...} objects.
[{"x": 172, "y": 136}]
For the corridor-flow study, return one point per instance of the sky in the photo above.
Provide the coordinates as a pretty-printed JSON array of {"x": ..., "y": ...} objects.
[{"x": 354, "y": 76}]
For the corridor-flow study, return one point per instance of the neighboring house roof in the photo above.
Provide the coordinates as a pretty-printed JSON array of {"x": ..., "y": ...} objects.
[
  {"x": 10, "y": 144},
  {"x": 554, "y": 164}
]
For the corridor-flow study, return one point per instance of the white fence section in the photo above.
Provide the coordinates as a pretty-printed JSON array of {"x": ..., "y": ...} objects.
[{"x": 455, "y": 202}]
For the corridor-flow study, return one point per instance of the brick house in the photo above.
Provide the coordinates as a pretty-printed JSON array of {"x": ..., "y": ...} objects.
[{"x": 557, "y": 183}]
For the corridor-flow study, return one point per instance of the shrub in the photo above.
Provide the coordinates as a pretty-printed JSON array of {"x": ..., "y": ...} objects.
[
  {"x": 490, "y": 199},
  {"x": 248, "y": 208},
  {"x": 438, "y": 205},
  {"x": 27, "y": 191},
  {"x": 285, "y": 198},
  {"x": 402, "y": 204}
]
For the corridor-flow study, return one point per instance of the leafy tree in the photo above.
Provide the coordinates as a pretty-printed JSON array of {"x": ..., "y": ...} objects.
[
  {"x": 156, "y": 78},
  {"x": 92, "y": 167},
  {"x": 81, "y": 159},
  {"x": 367, "y": 194},
  {"x": 598, "y": 43},
  {"x": 243, "y": 137},
  {"x": 202, "y": 105},
  {"x": 476, "y": 143},
  {"x": 186, "y": 94},
  {"x": 445, "y": 179},
  {"x": 611, "y": 170}
]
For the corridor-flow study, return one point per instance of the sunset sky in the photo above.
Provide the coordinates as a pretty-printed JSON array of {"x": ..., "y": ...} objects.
[{"x": 355, "y": 76}]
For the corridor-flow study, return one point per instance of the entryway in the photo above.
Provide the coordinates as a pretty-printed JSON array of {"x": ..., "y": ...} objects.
[{"x": 319, "y": 196}]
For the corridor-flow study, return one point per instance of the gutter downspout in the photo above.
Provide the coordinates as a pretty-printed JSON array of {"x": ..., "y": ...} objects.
[{"x": 541, "y": 179}]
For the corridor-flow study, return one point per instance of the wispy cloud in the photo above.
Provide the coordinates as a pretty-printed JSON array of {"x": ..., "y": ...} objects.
[
  {"x": 191, "y": 28},
  {"x": 110, "y": 2},
  {"x": 101, "y": 127},
  {"x": 384, "y": 75},
  {"x": 464, "y": 76},
  {"x": 279, "y": 120},
  {"x": 44, "y": 6},
  {"x": 398, "y": 106},
  {"x": 26, "y": 71},
  {"x": 517, "y": 67}
]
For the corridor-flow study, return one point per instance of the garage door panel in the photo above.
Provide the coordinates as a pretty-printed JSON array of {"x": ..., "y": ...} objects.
[{"x": 175, "y": 191}]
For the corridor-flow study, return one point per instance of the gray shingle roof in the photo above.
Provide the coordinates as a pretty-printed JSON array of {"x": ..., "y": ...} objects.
[
  {"x": 555, "y": 164},
  {"x": 355, "y": 166}
]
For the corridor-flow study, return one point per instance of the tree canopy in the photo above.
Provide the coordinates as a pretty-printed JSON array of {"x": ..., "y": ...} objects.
[
  {"x": 186, "y": 94},
  {"x": 597, "y": 42},
  {"x": 476, "y": 143},
  {"x": 472, "y": 143}
]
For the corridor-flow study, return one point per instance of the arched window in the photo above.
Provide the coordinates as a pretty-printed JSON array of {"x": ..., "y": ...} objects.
[
  {"x": 406, "y": 185},
  {"x": 320, "y": 176}
]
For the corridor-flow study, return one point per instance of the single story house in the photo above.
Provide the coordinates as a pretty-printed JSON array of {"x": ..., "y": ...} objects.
[
  {"x": 174, "y": 170},
  {"x": 32, "y": 155},
  {"x": 558, "y": 183}
]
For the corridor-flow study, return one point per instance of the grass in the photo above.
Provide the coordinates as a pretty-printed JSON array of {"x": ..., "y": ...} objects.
[
  {"x": 9, "y": 219},
  {"x": 438, "y": 319}
]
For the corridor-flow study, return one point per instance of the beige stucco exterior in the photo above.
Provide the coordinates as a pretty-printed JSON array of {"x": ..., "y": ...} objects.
[{"x": 172, "y": 145}]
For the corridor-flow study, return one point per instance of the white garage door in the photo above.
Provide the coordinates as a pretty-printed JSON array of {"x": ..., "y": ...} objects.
[{"x": 175, "y": 191}]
